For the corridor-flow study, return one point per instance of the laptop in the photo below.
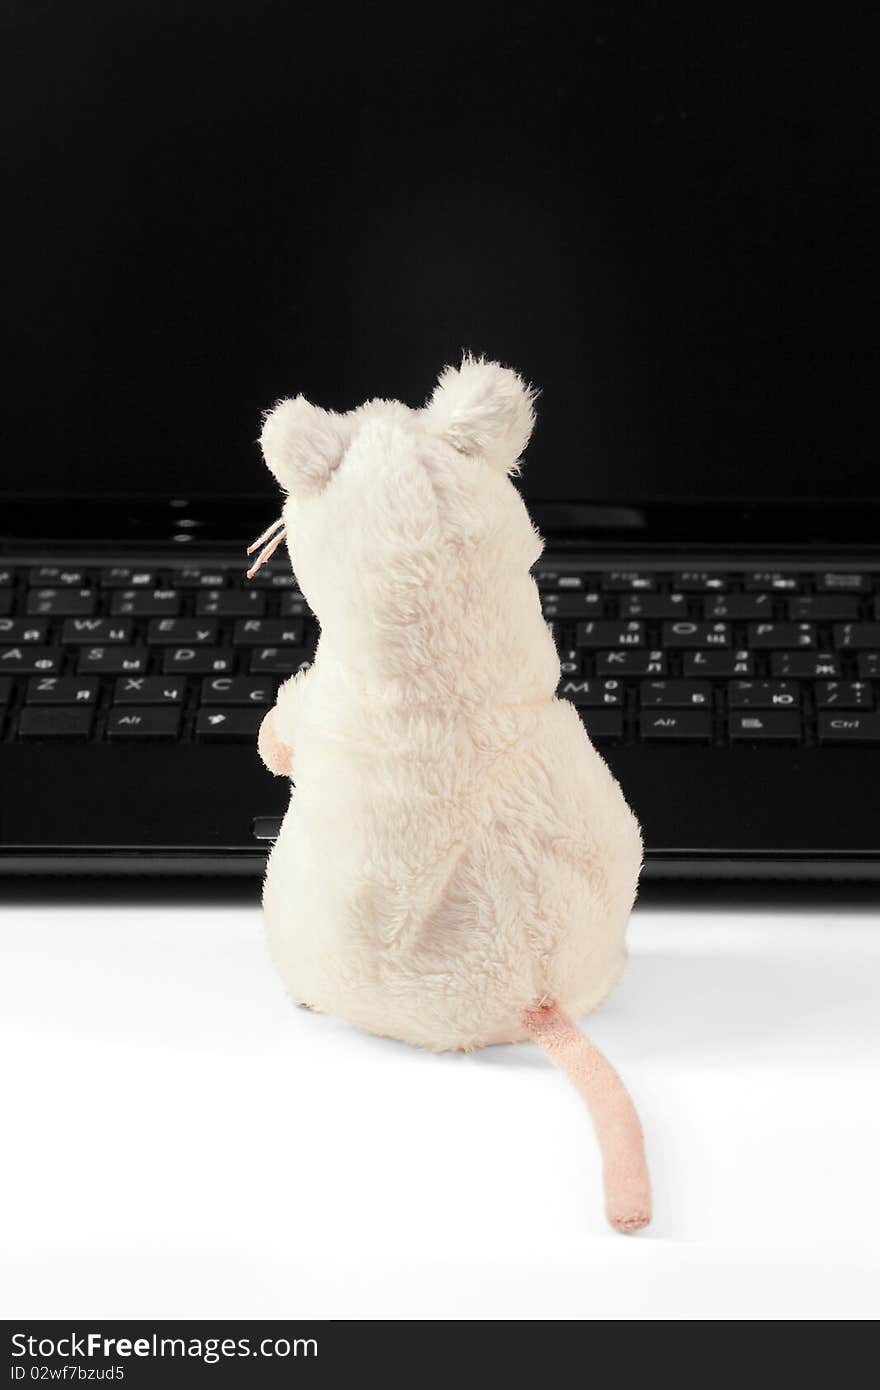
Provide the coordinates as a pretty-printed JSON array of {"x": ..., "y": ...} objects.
[{"x": 668, "y": 228}]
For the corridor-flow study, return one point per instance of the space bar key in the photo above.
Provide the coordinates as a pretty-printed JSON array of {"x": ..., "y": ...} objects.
[{"x": 849, "y": 728}]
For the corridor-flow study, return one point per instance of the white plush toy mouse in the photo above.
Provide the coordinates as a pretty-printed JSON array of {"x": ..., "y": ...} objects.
[{"x": 457, "y": 865}]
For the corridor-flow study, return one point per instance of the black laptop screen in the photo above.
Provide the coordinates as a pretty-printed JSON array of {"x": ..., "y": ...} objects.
[{"x": 668, "y": 227}]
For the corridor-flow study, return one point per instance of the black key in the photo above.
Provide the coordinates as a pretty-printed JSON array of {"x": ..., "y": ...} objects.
[
  {"x": 603, "y": 724},
  {"x": 145, "y": 603},
  {"x": 693, "y": 725},
  {"x": 198, "y": 661},
  {"x": 145, "y": 723},
  {"x": 270, "y": 632},
  {"x": 699, "y": 581},
  {"x": 857, "y": 637},
  {"x": 30, "y": 661},
  {"x": 774, "y": 581},
  {"x": 776, "y": 725},
  {"x": 877, "y": 609},
  {"x": 55, "y": 723},
  {"x": 602, "y": 634},
  {"x": 5, "y": 602},
  {"x": 591, "y": 694},
  {"x": 194, "y": 632},
  {"x": 839, "y": 582},
  {"x": 62, "y": 690},
  {"x": 293, "y": 605},
  {"x": 149, "y": 690},
  {"x": 763, "y": 695},
  {"x": 654, "y": 606},
  {"x": 7, "y": 578},
  {"x": 676, "y": 694},
  {"x": 869, "y": 666},
  {"x": 714, "y": 664},
  {"x": 267, "y": 578},
  {"x": 569, "y": 607},
  {"x": 281, "y": 661},
  {"x": 647, "y": 662},
  {"x": 112, "y": 661},
  {"x": 545, "y": 579},
  {"x": 56, "y": 577},
  {"x": 844, "y": 695},
  {"x": 571, "y": 662},
  {"x": 823, "y": 608},
  {"x": 780, "y": 636},
  {"x": 691, "y": 635},
  {"x": 237, "y": 690},
  {"x": 628, "y": 581},
  {"x": 18, "y": 630},
  {"x": 231, "y": 603},
  {"x": 849, "y": 728},
  {"x": 5, "y": 690},
  {"x": 98, "y": 630},
  {"x": 739, "y": 608},
  {"x": 125, "y": 577},
  {"x": 552, "y": 580},
  {"x": 228, "y": 725},
  {"x": 194, "y": 577},
  {"x": 61, "y": 603},
  {"x": 804, "y": 665}
]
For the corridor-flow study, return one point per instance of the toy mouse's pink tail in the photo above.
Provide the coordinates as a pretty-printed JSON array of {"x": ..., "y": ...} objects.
[{"x": 627, "y": 1185}]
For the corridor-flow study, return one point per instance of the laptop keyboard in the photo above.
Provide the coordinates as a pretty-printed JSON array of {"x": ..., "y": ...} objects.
[{"x": 183, "y": 653}]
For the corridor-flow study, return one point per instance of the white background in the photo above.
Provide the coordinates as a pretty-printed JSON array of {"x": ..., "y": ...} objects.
[{"x": 180, "y": 1141}]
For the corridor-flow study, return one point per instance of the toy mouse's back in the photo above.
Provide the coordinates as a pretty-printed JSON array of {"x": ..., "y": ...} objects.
[{"x": 457, "y": 865}]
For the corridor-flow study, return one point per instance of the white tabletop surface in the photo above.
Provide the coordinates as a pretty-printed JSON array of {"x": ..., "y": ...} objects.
[{"x": 180, "y": 1140}]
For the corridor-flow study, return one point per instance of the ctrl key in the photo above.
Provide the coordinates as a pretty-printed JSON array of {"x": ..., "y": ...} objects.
[{"x": 849, "y": 728}]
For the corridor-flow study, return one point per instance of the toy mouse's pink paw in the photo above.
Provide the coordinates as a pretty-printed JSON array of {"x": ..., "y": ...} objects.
[{"x": 275, "y": 754}]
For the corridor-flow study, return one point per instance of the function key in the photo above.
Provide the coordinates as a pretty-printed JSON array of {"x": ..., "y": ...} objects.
[
  {"x": 267, "y": 578},
  {"x": 124, "y": 577},
  {"x": 545, "y": 579},
  {"x": 570, "y": 583},
  {"x": 628, "y": 581},
  {"x": 699, "y": 582},
  {"x": 61, "y": 603},
  {"x": 842, "y": 582},
  {"x": 849, "y": 728},
  {"x": 56, "y": 577},
  {"x": 149, "y": 690},
  {"x": 804, "y": 665},
  {"x": 143, "y": 723},
  {"x": 195, "y": 577},
  {"x": 763, "y": 694},
  {"x": 145, "y": 603},
  {"x": 688, "y": 725},
  {"x": 16, "y": 630},
  {"x": 591, "y": 694},
  {"x": 62, "y": 690},
  {"x": 293, "y": 605},
  {"x": 774, "y": 725},
  {"x": 774, "y": 580},
  {"x": 228, "y": 725},
  {"x": 231, "y": 603},
  {"x": 676, "y": 694},
  {"x": 58, "y": 723},
  {"x": 844, "y": 695}
]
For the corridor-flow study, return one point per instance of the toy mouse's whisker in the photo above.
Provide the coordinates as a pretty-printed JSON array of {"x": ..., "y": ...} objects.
[
  {"x": 267, "y": 552},
  {"x": 264, "y": 536}
]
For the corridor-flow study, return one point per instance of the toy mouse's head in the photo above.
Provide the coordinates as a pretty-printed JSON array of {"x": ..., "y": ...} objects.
[{"x": 407, "y": 536}]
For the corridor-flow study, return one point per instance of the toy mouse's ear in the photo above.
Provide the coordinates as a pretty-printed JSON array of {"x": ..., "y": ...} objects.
[
  {"x": 483, "y": 408},
  {"x": 303, "y": 445}
]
